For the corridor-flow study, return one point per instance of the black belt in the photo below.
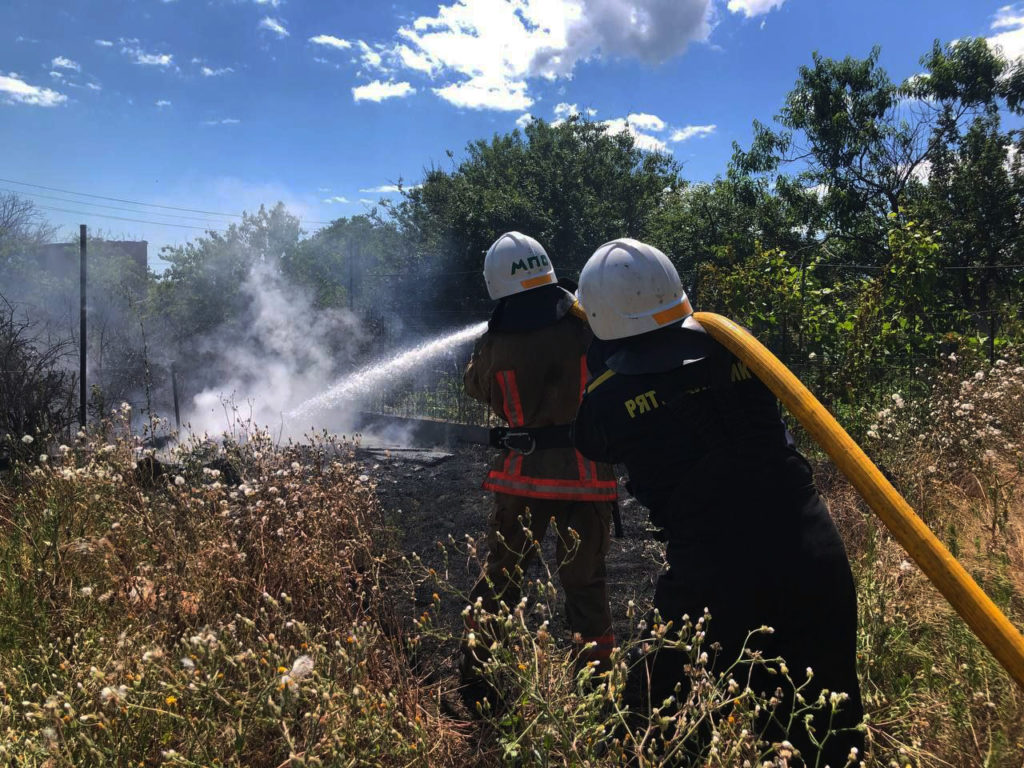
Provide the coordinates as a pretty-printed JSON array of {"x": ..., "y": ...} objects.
[{"x": 526, "y": 441}]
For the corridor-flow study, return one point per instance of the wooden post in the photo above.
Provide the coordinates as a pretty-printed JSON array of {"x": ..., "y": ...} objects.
[
  {"x": 174, "y": 392},
  {"x": 993, "y": 326},
  {"x": 82, "y": 341}
]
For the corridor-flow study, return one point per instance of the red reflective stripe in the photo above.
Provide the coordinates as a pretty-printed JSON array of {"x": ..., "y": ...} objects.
[
  {"x": 548, "y": 495},
  {"x": 503, "y": 386},
  {"x": 494, "y": 474},
  {"x": 510, "y": 478},
  {"x": 545, "y": 488},
  {"x": 581, "y": 465},
  {"x": 516, "y": 418}
]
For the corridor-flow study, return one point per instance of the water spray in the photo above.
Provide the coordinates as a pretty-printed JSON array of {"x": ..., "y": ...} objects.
[{"x": 377, "y": 376}]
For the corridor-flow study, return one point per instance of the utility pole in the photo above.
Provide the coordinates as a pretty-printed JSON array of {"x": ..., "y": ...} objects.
[
  {"x": 174, "y": 392},
  {"x": 82, "y": 389}
]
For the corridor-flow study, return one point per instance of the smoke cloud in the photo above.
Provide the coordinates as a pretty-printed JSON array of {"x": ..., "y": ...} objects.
[{"x": 287, "y": 352}]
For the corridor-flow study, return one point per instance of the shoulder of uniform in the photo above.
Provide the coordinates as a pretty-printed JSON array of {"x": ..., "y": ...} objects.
[
  {"x": 599, "y": 380},
  {"x": 577, "y": 310}
]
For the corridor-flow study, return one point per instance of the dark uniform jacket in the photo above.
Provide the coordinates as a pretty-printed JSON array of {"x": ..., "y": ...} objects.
[
  {"x": 534, "y": 377},
  {"x": 747, "y": 534},
  {"x": 699, "y": 427}
]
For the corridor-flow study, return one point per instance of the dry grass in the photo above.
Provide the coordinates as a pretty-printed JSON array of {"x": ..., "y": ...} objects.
[
  {"x": 189, "y": 621},
  {"x": 934, "y": 694},
  {"x": 186, "y": 621}
]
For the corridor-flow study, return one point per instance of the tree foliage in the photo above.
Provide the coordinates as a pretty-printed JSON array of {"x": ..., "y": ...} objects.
[{"x": 572, "y": 186}]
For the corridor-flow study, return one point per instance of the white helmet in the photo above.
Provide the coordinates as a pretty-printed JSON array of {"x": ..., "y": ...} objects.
[
  {"x": 516, "y": 263},
  {"x": 628, "y": 288}
]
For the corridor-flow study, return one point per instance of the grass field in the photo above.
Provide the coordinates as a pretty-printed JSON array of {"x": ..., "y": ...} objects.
[{"x": 270, "y": 619}]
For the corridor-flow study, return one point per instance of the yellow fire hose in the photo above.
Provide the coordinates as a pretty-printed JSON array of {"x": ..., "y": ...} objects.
[{"x": 983, "y": 617}]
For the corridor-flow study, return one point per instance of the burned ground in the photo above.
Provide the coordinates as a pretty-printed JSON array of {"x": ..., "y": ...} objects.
[{"x": 429, "y": 496}]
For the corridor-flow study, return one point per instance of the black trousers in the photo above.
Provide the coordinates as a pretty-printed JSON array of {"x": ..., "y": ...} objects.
[{"x": 764, "y": 551}]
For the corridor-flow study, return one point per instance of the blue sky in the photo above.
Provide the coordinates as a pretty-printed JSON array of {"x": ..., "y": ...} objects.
[{"x": 219, "y": 105}]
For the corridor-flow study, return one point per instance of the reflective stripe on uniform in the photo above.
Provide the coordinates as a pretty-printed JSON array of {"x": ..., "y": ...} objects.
[
  {"x": 550, "y": 488},
  {"x": 600, "y": 380},
  {"x": 510, "y": 478},
  {"x": 512, "y": 407}
]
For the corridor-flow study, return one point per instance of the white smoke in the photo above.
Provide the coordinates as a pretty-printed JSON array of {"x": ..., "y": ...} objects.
[{"x": 289, "y": 352}]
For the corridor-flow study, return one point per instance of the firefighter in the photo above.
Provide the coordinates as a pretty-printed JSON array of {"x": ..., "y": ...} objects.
[
  {"x": 530, "y": 367},
  {"x": 747, "y": 535}
]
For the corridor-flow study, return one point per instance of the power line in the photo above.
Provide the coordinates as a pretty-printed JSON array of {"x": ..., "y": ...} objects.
[
  {"x": 112, "y": 207},
  {"x": 124, "y": 218},
  {"x": 136, "y": 202}
]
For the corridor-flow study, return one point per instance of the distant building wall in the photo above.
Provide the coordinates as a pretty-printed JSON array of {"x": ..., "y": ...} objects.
[{"x": 54, "y": 256}]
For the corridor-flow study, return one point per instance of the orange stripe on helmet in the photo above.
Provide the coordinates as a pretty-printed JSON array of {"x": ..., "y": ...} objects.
[
  {"x": 678, "y": 312},
  {"x": 533, "y": 282}
]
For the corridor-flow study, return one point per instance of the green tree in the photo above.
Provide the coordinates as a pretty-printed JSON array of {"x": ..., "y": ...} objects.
[
  {"x": 202, "y": 287},
  {"x": 847, "y": 134},
  {"x": 572, "y": 186},
  {"x": 974, "y": 194}
]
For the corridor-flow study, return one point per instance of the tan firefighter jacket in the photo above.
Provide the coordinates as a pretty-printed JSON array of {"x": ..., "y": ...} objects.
[{"x": 536, "y": 379}]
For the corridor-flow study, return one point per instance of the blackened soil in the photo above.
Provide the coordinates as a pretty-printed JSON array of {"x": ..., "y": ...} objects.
[{"x": 432, "y": 498}]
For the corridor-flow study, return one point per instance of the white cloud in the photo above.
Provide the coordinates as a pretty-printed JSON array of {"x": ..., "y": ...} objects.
[
  {"x": 323, "y": 189},
  {"x": 646, "y": 122},
  {"x": 387, "y": 189},
  {"x": 1009, "y": 17},
  {"x": 335, "y": 199},
  {"x": 331, "y": 40},
  {"x": 420, "y": 62},
  {"x": 642, "y": 141},
  {"x": 692, "y": 131},
  {"x": 564, "y": 110},
  {"x": 1011, "y": 41},
  {"x": 14, "y": 90},
  {"x": 146, "y": 59},
  {"x": 104, "y": 43},
  {"x": 524, "y": 120},
  {"x": 922, "y": 171},
  {"x": 223, "y": 121},
  {"x": 61, "y": 62},
  {"x": 209, "y": 72},
  {"x": 371, "y": 59},
  {"x": 271, "y": 3},
  {"x": 488, "y": 49},
  {"x": 273, "y": 25},
  {"x": 163, "y": 103},
  {"x": 367, "y": 201},
  {"x": 56, "y": 75},
  {"x": 379, "y": 91},
  {"x": 94, "y": 86},
  {"x": 482, "y": 93},
  {"x": 752, "y": 8}
]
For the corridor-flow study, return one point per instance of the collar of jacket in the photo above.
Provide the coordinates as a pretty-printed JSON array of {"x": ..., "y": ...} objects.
[
  {"x": 653, "y": 352},
  {"x": 531, "y": 310}
]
